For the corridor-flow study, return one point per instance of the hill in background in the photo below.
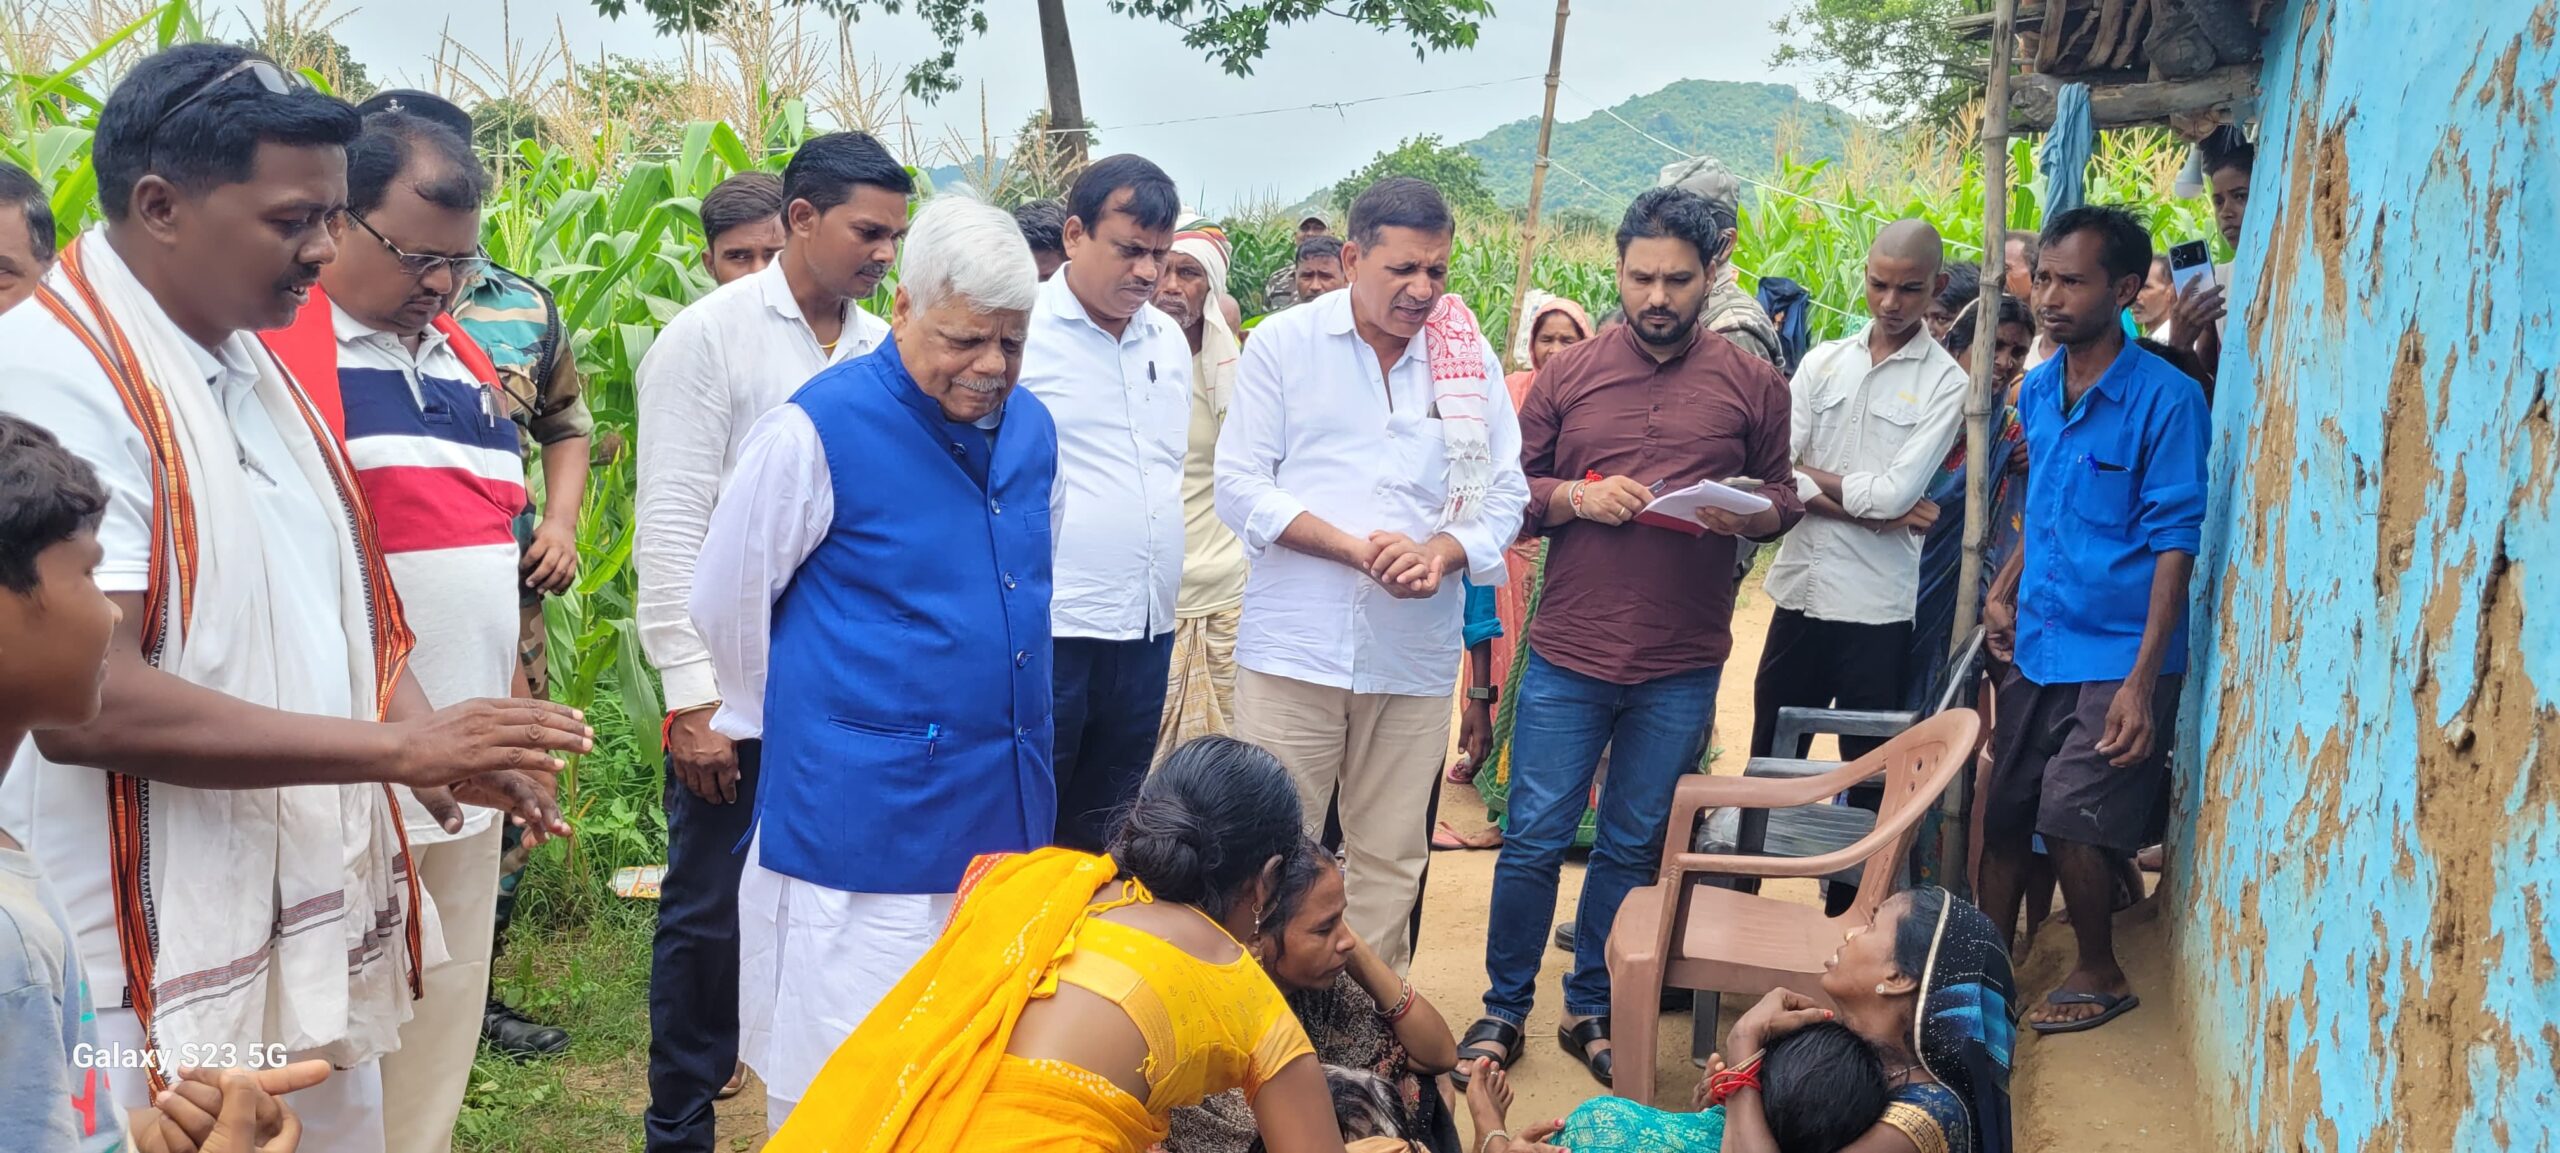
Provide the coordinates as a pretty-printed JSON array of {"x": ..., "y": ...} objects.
[
  {"x": 1735, "y": 122},
  {"x": 1738, "y": 123}
]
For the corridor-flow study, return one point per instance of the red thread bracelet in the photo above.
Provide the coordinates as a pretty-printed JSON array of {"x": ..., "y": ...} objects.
[
  {"x": 1725, "y": 1084},
  {"x": 667, "y": 727}
]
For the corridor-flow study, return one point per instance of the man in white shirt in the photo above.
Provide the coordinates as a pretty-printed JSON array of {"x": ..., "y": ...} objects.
[
  {"x": 905, "y": 719},
  {"x": 717, "y": 369},
  {"x": 1874, "y": 416},
  {"x": 245, "y": 888},
  {"x": 1115, "y": 372},
  {"x": 1371, "y": 457}
]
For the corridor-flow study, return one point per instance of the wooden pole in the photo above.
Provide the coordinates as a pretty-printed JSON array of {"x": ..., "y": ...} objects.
[
  {"x": 1983, "y": 400},
  {"x": 1537, "y": 180}
]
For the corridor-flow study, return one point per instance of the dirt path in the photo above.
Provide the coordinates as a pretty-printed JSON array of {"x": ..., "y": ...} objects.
[
  {"x": 2124, "y": 1087},
  {"x": 1448, "y": 964}
]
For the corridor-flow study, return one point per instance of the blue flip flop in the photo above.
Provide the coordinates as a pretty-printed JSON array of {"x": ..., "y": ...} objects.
[{"x": 2111, "y": 1005}]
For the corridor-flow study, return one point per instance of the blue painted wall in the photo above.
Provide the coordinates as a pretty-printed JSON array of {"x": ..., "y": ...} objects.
[{"x": 2370, "y": 879}]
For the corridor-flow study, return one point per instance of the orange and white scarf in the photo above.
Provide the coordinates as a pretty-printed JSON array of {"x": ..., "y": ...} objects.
[{"x": 286, "y": 916}]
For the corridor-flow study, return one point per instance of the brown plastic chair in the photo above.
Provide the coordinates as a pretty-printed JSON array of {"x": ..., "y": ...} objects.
[{"x": 1719, "y": 940}]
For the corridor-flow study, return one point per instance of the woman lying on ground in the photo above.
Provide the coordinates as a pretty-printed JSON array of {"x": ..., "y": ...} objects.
[
  {"x": 1076, "y": 1000},
  {"x": 1357, "y": 1012},
  {"x": 1818, "y": 1089},
  {"x": 1926, "y": 985}
]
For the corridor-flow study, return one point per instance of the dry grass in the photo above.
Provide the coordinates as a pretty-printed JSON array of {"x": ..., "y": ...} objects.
[
  {"x": 40, "y": 37},
  {"x": 747, "y": 71}
]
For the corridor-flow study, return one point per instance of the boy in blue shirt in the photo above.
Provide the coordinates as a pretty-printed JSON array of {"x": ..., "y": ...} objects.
[
  {"x": 2090, "y": 610},
  {"x": 55, "y": 626}
]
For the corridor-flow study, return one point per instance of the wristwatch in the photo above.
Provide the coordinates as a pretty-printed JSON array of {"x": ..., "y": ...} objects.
[{"x": 1485, "y": 693}]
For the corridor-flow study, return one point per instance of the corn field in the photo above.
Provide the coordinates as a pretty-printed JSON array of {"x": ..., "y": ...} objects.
[{"x": 614, "y": 234}]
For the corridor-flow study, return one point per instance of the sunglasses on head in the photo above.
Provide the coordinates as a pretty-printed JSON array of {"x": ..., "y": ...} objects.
[{"x": 269, "y": 76}]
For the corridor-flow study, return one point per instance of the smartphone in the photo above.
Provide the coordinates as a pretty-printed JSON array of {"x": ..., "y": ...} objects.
[{"x": 2188, "y": 263}]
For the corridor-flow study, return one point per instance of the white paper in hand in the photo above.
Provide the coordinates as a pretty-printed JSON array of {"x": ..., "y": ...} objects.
[{"x": 1678, "y": 510}]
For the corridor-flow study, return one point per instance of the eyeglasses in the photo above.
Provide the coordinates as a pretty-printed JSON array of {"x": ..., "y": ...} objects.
[
  {"x": 274, "y": 79},
  {"x": 466, "y": 269}
]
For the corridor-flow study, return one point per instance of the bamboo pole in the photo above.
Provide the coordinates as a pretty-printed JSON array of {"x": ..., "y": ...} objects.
[
  {"x": 1538, "y": 178},
  {"x": 1983, "y": 399}
]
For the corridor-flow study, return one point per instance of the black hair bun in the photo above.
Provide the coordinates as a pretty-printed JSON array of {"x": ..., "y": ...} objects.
[{"x": 1170, "y": 848}]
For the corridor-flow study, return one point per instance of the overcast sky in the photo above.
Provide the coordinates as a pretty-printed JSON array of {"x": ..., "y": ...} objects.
[{"x": 1137, "y": 73}]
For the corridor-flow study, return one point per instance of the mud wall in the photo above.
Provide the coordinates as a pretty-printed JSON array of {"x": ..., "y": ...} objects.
[{"x": 2368, "y": 888}]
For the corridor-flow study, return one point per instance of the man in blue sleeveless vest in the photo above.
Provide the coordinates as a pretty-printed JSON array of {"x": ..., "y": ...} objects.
[{"x": 889, "y": 529}]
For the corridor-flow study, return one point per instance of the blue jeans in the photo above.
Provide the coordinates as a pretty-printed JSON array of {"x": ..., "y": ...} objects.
[
  {"x": 1563, "y": 719},
  {"x": 693, "y": 967},
  {"x": 1109, "y": 708}
]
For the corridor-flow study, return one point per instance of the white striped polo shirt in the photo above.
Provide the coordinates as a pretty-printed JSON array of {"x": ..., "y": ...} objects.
[{"x": 437, "y": 457}]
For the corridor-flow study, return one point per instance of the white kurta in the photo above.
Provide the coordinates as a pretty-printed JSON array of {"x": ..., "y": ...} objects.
[{"x": 812, "y": 963}]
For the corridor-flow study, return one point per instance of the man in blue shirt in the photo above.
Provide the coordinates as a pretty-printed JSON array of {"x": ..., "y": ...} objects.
[{"x": 2090, "y": 610}]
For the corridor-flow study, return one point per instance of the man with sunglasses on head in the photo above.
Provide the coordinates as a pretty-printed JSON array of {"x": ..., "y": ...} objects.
[
  {"x": 225, "y": 834},
  {"x": 436, "y": 457}
]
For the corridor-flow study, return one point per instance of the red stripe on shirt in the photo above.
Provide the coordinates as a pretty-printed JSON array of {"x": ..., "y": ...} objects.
[{"x": 419, "y": 509}]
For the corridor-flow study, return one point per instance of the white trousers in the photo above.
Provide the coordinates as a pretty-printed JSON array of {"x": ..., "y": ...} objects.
[
  {"x": 424, "y": 1080},
  {"x": 812, "y": 962},
  {"x": 340, "y": 1115}
]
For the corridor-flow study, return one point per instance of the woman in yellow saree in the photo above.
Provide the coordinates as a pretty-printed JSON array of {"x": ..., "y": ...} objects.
[{"x": 1076, "y": 1000}]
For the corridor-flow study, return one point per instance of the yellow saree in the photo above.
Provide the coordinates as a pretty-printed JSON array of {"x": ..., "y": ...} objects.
[{"x": 928, "y": 1070}]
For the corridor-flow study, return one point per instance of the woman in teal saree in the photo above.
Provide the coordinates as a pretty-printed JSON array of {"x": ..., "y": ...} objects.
[{"x": 1928, "y": 985}]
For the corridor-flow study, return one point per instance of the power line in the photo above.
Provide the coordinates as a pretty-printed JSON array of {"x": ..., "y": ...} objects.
[
  {"x": 1586, "y": 183},
  {"x": 1337, "y": 107},
  {"x": 1763, "y": 185}
]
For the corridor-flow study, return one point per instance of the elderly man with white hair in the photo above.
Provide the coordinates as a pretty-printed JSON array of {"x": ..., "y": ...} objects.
[
  {"x": 874, "y": 593},
  {"x": 1200, "y": 691}
]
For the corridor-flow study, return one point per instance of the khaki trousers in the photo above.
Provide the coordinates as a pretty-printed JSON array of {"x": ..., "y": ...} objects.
[
  {"x": 423, "y": 1082},
  {"x": 1382, "y": 755}
]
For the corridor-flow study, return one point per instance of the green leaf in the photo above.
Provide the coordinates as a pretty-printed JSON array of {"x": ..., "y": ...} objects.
[
  {"x": 567, "y": 206},
  {"x": 697, "y": 142},
  {"x": 636, "y": 338},
  {"x": 639, "y": 691},
  {"x": 606, "y": 565},
  {"x": 732, "y": 151}
]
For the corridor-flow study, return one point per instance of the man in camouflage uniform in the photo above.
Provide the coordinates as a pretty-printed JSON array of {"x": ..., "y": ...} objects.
[
  {"x": 1282, "y": 289},
  {"x": 515, "y": 321},
  {"x": 1730, "y": 310}
]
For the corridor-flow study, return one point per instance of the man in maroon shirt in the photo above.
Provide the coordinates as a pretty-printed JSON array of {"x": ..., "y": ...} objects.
[{"x": 1633, "y": 627}]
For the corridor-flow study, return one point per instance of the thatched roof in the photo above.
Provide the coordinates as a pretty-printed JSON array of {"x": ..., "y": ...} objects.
[{"x": 2146, "y": 61}]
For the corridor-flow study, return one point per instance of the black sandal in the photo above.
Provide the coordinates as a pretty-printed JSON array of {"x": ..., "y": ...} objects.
[
  {"x": 1577, "y": 1043},
  {"x": 1471, "y": 1047}
]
